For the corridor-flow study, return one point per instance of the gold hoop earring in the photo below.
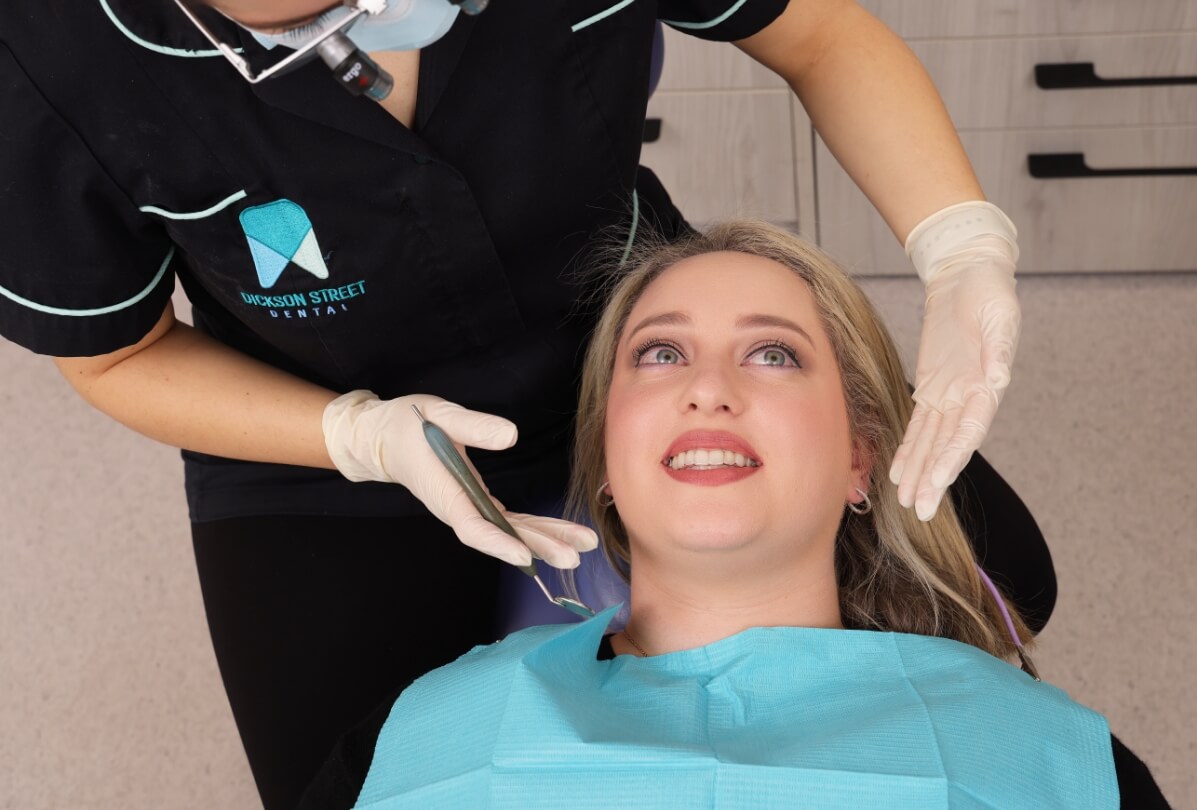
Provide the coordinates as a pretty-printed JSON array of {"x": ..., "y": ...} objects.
[{"x": 599, "y": 496}]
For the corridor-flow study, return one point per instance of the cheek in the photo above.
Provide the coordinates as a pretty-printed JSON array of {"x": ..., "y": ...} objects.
[
  {"x": 632, "y": 431},
  {"x": 815, "y": 435}
]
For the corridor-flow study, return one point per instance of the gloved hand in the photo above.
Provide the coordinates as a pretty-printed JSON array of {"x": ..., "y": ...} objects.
[
  {"x": 965, "y": 254},
  {"x": 374, "y": 440}
]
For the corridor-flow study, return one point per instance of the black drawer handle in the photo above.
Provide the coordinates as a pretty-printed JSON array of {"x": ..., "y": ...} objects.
[
  {"x": 1071, "y": 75},
  {"x": 652, "y": 130},
  {"x": 1072, "y": 164}
]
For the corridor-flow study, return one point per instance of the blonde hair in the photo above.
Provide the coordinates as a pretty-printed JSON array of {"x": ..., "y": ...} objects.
[{"x": 894, "y": 571}]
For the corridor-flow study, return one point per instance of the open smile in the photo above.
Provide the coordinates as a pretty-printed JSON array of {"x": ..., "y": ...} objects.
[{"x": 710, "y": 458}]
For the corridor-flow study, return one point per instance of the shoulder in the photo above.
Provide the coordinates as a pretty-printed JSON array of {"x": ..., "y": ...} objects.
[
  {"x": 457, "y": 683},
  {"x": 501, "y": 653},
  {"x": 1061, "y": 747},
  {"x": 951, "y": 670},
  {"x": 721, "y": 20},
  {"x": 342, "y": 778}
]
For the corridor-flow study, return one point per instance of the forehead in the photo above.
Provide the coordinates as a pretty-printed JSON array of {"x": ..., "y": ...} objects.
[{"x": 728, "y": 283}]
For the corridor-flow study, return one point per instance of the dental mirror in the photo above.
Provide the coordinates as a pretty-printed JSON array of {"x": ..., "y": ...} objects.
[{"x": 446, "y": 451}]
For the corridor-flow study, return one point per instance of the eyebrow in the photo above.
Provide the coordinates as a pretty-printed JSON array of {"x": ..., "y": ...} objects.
[
  {"x": 751, "y": 321},
  {"x": 743, "y": 322}
]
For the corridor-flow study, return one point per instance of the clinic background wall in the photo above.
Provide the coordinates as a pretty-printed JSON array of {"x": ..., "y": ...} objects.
[{"x": 110, "y": 694}]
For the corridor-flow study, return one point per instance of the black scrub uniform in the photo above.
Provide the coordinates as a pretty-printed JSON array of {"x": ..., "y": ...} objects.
[{"x": 313, "y": 231}]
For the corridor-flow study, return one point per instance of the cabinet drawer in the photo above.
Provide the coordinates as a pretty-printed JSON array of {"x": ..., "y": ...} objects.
[
  {"x": 1090, "y": 224},
  {"x": 725, "y": 154},
  {"x": 931, "y": 19},
  {"x": 990, "y": 83}
]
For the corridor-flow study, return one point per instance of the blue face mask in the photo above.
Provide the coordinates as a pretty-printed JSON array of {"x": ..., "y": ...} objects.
[{"x": 403, "y": 25}]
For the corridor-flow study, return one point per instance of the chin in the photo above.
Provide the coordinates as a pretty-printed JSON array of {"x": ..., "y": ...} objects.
[{"x": 713, "y": 536}]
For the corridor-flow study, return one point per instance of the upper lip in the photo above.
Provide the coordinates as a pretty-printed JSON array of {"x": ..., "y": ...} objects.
[{"x": 710, "y": 440}]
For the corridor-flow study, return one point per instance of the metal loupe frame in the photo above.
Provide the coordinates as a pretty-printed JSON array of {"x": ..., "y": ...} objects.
[{"x": 298, "y": 58}]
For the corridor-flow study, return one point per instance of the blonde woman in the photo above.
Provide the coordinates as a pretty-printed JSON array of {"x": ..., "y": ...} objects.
[{"x": 795, "y": 637}]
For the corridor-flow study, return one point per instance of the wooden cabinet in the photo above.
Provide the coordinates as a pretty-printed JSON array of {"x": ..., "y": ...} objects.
[
  {"x": 727, "y": 138},
  {"x": 1106, "y": 224},
  {"x": 735, "y": 141},
  {"x": 724, "y": 154},
  {"x": 939, "y": 19}
]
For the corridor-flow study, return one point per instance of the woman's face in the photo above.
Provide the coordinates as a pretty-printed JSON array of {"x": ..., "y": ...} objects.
[{"x": 726, "y": 424}]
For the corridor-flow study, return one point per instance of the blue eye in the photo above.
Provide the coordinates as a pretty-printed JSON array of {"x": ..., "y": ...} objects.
[
  {"x": 656, "y": 353},
  {"x": 775, "y": 353}
]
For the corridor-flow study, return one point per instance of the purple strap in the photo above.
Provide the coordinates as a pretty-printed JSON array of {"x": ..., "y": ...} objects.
[{"x": 1001, "y": 603}]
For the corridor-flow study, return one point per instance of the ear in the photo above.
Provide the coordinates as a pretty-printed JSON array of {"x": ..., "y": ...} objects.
[{"x": 862, "y": 468}]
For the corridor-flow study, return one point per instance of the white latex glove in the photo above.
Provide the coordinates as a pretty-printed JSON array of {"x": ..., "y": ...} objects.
[
  {"x": 374, "y": 440},
  {"x": 965, "y": 254}
]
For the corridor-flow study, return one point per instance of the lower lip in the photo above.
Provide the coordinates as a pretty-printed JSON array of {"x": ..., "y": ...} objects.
[{"x": 711, "y": 478}]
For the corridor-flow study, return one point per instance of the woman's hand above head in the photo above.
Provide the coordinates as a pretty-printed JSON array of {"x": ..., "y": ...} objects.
[{"x": 370, "y": 439}]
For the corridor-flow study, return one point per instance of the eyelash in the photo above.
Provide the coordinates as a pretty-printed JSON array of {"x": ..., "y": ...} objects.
[
  {"x": 787, "y": 349},
  {"x": 653, "y": 343}
]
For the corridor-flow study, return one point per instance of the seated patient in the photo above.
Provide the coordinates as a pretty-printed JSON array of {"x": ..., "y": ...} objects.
[{"x": 795, "y": 637}]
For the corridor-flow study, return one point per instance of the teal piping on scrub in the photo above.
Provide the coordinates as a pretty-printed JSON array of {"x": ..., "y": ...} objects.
[
  {"x": 693, "y": 26},
  {"x": 152, "y": 46},
  {"x": 207, "y": 212},
  {"x": 602, "y": 15},
  {"x": 83, "y": 313},
  {"x": 635, "y": 222}
]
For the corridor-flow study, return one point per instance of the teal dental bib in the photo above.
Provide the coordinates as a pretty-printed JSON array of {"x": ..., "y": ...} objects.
[{"x": 779, "y": 717}]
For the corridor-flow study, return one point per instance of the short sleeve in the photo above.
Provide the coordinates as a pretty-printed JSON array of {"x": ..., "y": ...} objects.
[
  {"x": 720, "y": 20},
  {"x": 82, "y": 271}
]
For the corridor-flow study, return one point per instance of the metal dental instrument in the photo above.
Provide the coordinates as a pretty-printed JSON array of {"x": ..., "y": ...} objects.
[{"x": 445, "y": 450}]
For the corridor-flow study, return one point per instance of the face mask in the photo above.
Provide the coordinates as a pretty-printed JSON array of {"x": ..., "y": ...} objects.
[{"x": 404, "y": 25}]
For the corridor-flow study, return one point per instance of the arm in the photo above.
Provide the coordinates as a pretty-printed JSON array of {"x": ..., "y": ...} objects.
[
  {"x": 874, "y": 105},
  {"x": 881, "y": 116},
  {"x": 181, "y": 387}
]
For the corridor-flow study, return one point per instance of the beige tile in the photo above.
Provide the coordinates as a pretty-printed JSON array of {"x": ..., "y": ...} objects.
[{"x": 111, "y": 695}]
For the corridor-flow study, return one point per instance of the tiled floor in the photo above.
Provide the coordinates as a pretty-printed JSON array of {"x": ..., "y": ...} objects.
[{"x": 111, "y": 696}]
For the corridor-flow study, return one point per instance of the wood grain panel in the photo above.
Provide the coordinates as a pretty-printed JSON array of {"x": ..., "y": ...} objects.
[
  {"x": 922, "y": 19},
  {"x": 725, "y": 154},
  {"x": 1122, "y": 224},
  {"x": 990, "y": 83}
]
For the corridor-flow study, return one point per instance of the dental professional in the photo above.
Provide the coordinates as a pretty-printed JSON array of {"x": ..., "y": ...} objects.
[{"x": 414, "y": 241}]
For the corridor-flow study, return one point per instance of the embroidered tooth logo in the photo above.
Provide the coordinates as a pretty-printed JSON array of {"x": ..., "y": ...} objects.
[{"x": 280, "y": 233}]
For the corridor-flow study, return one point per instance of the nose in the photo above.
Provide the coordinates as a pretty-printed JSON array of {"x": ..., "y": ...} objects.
[{"x": 711, "y": 389}]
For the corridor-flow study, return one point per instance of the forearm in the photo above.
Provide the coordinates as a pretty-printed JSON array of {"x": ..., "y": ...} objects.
[
  {"x": 190, "y": 391},
  {"x": 879, "y": 113}
]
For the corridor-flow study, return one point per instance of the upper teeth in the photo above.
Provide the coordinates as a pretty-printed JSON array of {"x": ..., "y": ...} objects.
[{"x": 706, "y": 459}]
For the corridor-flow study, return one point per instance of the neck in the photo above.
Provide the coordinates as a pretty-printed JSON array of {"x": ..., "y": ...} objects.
[{"x": 674, "y": 609}]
